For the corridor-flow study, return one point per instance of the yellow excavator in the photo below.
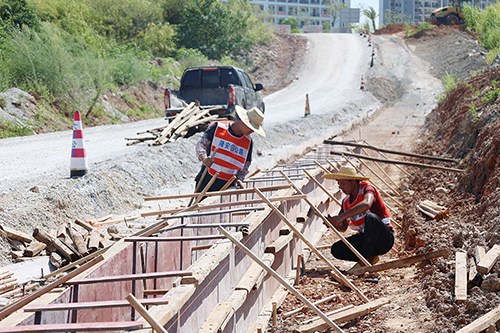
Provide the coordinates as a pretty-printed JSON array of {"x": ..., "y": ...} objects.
[{"x": 450, "y": 15}]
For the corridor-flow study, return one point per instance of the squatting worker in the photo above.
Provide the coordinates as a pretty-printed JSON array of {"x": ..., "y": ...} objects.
[
  {"x": 234, "y": 156},
  {"x": 364, "y": 211}
]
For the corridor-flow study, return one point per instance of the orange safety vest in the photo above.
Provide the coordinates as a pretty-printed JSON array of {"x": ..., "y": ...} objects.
[
  {"x": 232, "y": 153},
  {"x": 357, "y": 222}
]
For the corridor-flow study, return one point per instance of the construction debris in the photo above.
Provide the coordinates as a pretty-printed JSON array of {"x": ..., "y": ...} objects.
[
  {"x": 433, "y": 210},
  {"x": 189, "y": 121}
]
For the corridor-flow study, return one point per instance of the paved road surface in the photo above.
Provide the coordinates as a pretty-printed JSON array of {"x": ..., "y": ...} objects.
[{"x": 331, "y": 76}]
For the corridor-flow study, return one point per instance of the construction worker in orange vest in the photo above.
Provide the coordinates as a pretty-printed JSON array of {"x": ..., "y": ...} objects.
[
  {"x": 364, "y": 211},
  {"x": 234, "y": 153}
]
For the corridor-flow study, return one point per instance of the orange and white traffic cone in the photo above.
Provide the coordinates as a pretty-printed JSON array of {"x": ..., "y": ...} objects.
[
  {"x": 362, "y": 83},
  {"x": 308, "y": 110},
  {"x": 78, "y": 166}
]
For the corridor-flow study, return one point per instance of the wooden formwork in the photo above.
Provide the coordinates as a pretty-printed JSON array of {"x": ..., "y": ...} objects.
[{"x": 204, "y": 279}]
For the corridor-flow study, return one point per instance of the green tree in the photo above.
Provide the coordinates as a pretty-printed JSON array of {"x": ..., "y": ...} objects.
[
  {"x": 16, "y": 13},
  {"x": 207, "y": 25},
  {"x": 292, "y": 21},
  {"x": 334, "y": 7},
  {"x": 370, "y": 14},
  {"x": 172, "y": 10},
  {"x": 123, "y": 20},
  {"x": 395, "y": 17}
]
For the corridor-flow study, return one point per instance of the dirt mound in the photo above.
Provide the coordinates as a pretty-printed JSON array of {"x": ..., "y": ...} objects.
[
  {"x": 390, "y": 29},
  {"x": 449, "y": 51},
  {"x": 465, "y": 126},
  {"x": 438, "y": 31}
]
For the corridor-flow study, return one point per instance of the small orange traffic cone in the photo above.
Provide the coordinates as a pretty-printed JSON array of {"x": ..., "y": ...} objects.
[
  {"x": 78, "y": 166},
  {"x": 308, "y": 110},
  {"x": 362, "y": 83}
]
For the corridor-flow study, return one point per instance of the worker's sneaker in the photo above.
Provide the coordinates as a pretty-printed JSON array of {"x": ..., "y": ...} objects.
[
  {"x": 373, "y": 260},
  {"x": 354, "y": 268}
]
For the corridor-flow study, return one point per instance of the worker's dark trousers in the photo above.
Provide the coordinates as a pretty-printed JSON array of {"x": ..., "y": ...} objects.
[
  {"x": 216, "y": 186},
  {"x": 377, "y": 239}
]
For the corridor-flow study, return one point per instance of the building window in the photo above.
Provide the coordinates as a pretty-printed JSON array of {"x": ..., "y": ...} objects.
[{"x": 292, "y": 11}]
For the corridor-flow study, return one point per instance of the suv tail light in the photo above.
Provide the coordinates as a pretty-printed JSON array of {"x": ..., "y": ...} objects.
[
  {"x": 166, "y": 98},
  {"x": 231, "y": 95}
]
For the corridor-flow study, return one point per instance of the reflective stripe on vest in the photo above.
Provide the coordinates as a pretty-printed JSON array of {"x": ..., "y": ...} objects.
[
  {"x": 357, "y": 222},
  {"x": 232, "y": 153}
]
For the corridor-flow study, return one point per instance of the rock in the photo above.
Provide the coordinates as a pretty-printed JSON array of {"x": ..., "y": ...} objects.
[
  {"x": 441, "y": 190},
  {"x": 491, "y": 283}
]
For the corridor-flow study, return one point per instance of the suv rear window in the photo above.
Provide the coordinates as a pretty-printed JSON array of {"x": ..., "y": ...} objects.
[
  {"x": 228, "y": 76},
  {"x": 210, "y": 78},
  {"x": 191, "y": 79}
]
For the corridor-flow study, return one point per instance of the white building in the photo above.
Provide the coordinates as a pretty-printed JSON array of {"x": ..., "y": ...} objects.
[{"x": 307, "y": 12}]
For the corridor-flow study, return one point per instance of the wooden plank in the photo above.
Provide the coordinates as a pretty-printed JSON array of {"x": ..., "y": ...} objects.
[
  {"x": 279, "y": 243},
  {"x": 403, "y": 261},
  {"x": 479, "y": 253},
  {"x": 348, "y": 143},
  {"x": 14, "y": 234},
  {"x": 76, "y": 263},
  {"x": 92, "y": 305},
  {"x": 145, "y": 314},
  {"x": 472, "y": 269},
  {"x": 129, "y": 277},
  {"x": 102, "y": 326},
  {"x": 482, "y": 323},
  {"x": 399, "y": 162},
  {"x": 226, "y": 204},
  {"x": 155, "y": 292},
  {"x": 345, "y": 316},
  {"x": 172, "y": 239},
  {"x": 489, "y": 260},
  {"x": 281, "y": 280},
  {"x": 217, "y": 317},
  {"x": 11, "y": 308},
  {"x": 334, "y": 269},
  {"x": 253, "y": 273},
  {"x": 460, "y": 277},
  {"x": 217, "y": 193}
]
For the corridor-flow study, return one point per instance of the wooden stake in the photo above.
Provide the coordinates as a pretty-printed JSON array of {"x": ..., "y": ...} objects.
[
  {"x": 280, "y": 279},
  {"x": 11, "y": 308},
  {"x": 203, "y": 176},
  {"x": 460, "y": 277},
  {"x": 421, "y": 165},
  {"x": 377, "y": 187},
  {"x": 489, "y": 260},
  {"x": 403, "y": 262},
  {"x": 207, "y": 187},
  {"x": 145, "y": 314},
  {"x": 275, "y": 314},
  {"x": 380, "y": 168},
  {"x": 297, "y": 271},
  {"x": 346, "y": 143},
  {"x": 335, "y": 270},
  {"x": 228, "y": 183},
  {"x": 482, "y": 323},
  {"x": 376, "y": 175}
]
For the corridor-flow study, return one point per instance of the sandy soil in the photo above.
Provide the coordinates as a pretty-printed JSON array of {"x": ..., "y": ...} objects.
[{"x": 422, "y": 295}]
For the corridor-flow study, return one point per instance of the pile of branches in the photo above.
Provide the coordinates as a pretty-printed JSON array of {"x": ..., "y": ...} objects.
[{"x": 189, "y": 121}]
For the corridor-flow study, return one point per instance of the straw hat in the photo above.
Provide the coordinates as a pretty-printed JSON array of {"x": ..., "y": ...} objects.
[
  {"x": 253, "y": 118},
  {"x": 345, "y": 172}
]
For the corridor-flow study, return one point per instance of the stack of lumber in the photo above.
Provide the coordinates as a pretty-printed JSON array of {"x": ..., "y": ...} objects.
[
  {"x": 70, "y": 242},
  {"x": 7, "y": 281},
  {"x": 190, "y": 120},
  {"x": 433, "y": 210}
]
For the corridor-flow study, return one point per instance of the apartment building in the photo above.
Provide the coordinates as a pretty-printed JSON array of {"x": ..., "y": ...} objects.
[{"x": 307, "y": 12}]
